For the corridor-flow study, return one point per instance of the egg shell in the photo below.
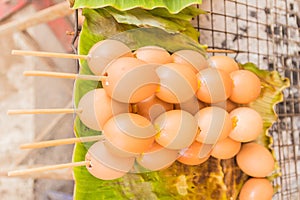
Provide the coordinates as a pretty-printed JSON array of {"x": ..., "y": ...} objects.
[
  {"x": 130, "y": 80},
  {"x": 105, "y": 165},
  {"x": 224, "y": 63},
  {"x": 215, "y": 85},
  {"x": 214, "y": 124},
  {"x": 152, "y": 107},
  {"x": 129, "y": 132},
  {"x": 255, "y": 160},
  {"x": 246, "y": 86},
  {"x": 192, "y": 105},
  {"x": 190, "y": 155},
  {"x": 178, "y": 83},
  {"x": 256, "y": 188},
  {"x": 226, "y": 149},
  {"x": 157, "y": 157},
  {"x": 153, "y": 54},
  {"x": 176, "y": 129},
  {"x": 248, "y": 124},
  {"x": 104, "y": 52},
  {"x": 97, "y": 108},
  {"x": 193, "y": 59}
]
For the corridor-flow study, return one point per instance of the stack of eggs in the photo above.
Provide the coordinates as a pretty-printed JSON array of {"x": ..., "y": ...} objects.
[{"x": 156, "y": 108}]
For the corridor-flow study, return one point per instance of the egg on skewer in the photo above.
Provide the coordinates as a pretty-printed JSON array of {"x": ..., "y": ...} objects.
[
  {"x": 178, "y": 83},
  {"x": 95, "y": 108},
  {"x": 99, "y": 161},
  {"x": 153, "y": 54},
  {"x": 98, "y": 58},
  {"x": 215, "y": 85},
  {"x": 176, "y": 129},
  {"x": 193, "y": 59},
  {"x": 247, "y": 124},
  {"x": 130, "y": 80}
]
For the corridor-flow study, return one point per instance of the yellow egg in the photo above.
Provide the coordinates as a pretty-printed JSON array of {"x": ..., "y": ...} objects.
[
  {"x": 105, "y": 165},
  {"x": 256, "y": 188},
  {"x": 152, "y": 107},
  {"x": 215, "y": 85},
  {"x": 129, "y": 132},
  {"x": 97, "y": 107},
  {"x": 176, "y": 129},
  {"x": 246, "y": 86},
  {"x": 178, "y": 83},
  {"x": 214, "y": 124},
  {"x": 247, "y": 124},
  {"x": 190, "y": 58},
  {"x": 255, "y": 160},
  {"x": 226, "y": 149},
  {"x": 104, "y": 52},
  {"x": 190, "y": 155},
  {"x": 157, "y": 157},
  {"x": 130, "y": 80},
  {"x": 153, "y": 54},
  {"x": 224, "y": 63}
]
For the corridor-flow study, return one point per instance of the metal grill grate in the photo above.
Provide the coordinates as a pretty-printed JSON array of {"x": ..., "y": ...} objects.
[{"x": 267, "y": 33}]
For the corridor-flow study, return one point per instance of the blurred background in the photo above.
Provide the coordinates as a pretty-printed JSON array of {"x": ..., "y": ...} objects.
[{"x": 265, "y": 32}]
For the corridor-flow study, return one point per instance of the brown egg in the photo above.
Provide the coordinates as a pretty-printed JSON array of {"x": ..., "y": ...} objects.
[
  {"x": 152, "y": 107},
  {"x": 97, "y": 108},
  {"x": 176, "y": 129},
  {"x": 104, "y": 52},
  {"x": 246, "y": 86},
  {"x": 190, "y": 155},
  {"x": 215, "y": 85},
  {"x": 257, "y": 188},
  {"x": 193, "y": 59},
  {"x": 129, "y": 132},
  {"x": 130, "y": 80},
  {"x": 226, "y": 149},
  {"x": 105, "y": 165},
  {"x": 224, "y": 63},
  {"x": 255, "y": 160},
  {"x": 153, "y": 54},
  {"x": 178, "y": 83},
  {"x": 192, "y": 105},
  {"x": 214, "y": 123},
  {"x": 247, "y": 124},
  {"x": 157, "y": 157}
]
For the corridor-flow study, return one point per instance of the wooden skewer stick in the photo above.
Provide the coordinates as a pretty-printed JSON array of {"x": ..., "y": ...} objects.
[
  {"x": 220, "y": 51},
  {"x": 61, "y": 142},
  {"x": 64, "y": 75},
  {"x": 46, "y": 168},
  {"x": 48, "y": 54},
  {"x": 44, "y": 111}
]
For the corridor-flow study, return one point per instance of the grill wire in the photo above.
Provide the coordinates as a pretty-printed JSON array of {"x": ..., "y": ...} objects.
[{"x": 267, "y": 33}]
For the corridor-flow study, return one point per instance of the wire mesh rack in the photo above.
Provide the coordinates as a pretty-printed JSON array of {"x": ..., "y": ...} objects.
[{"x": 267, "y": 33}]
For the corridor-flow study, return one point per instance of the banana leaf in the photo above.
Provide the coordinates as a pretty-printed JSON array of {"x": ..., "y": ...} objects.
[
  {"x": 172, "y": 6},
  {"x": 214, "y": 179}
]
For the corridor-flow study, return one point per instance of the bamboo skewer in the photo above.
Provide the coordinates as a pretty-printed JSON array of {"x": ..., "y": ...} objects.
[
  {"x": 220, "y": 51},
  {"x": 85, "y": 57},
  {"x": 48, "y": 54},
  {"x": 61, "y": 142},
  {"x": 45, "y": 111},
  {"x": 47, "y": 168},
  {"x": 64, "y": 75}
]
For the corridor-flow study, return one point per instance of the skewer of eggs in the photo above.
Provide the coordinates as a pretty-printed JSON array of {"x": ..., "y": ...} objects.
[{"x": 190, "y": 134}]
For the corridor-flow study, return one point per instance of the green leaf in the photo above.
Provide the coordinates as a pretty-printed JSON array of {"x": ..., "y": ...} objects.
[
  {"x": 171, "y": 6},
  {"x": 213, "y": 179}
]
